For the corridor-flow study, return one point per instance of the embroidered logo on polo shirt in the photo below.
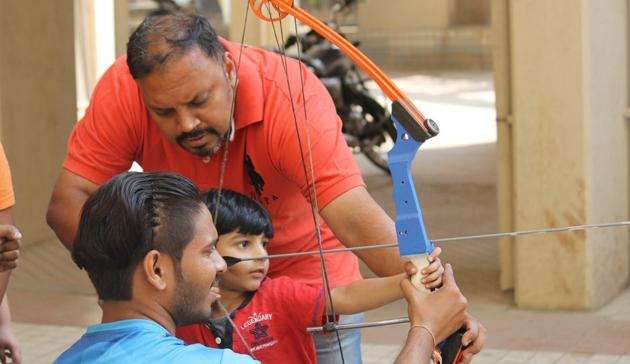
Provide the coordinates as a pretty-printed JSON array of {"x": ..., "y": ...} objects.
[
  {"x": 259, "y": 331},
  {"x": 258, "y": 325},
  {"x": 255, "y": 318},
  {"x": 255, "y": 178},
  {"x": 258, "y": 182}
]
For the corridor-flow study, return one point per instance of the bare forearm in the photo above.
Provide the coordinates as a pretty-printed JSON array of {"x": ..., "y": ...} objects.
[
  {"x": 69, "y": 194},
  {"x": 367, "y": 294},
  {"x": 4, "y": 283},
  {"x": 376, "y": 227},
  {"x": 5, "y": 312},
  {"x": 383, "y": 262},
  {"x": 418, "y": 348},
  {"x": 357, "y": 220},
  {"x": 63, "y": 218}
]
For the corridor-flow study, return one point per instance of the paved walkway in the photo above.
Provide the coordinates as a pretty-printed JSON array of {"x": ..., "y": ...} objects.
[
  {"x": 52, "y": 301},
  {"x": 377, "y": 354},
  {"x": 43, "y": 343}
]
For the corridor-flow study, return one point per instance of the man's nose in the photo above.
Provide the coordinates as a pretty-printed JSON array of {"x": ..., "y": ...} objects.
[
  {"x": 220, "y": 264},
  {"x": 187, "y": 122}
]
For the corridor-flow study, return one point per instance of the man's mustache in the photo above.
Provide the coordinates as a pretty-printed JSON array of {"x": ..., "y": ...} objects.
[{"x": 196, "y": 133}]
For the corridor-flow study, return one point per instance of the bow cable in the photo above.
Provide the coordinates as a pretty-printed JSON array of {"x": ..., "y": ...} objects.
[
  {"x": 309, "y": 180},
  {"x": 228, "y": 138},
  {"x": 312, "y": 196}
]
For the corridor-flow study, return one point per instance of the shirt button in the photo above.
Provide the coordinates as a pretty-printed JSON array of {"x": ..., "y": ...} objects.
[
  {"x": 218, "y": 340},
  {"x": 206, "y": 160}
]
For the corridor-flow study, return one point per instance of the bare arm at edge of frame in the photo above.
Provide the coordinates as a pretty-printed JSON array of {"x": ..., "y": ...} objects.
[{"x": 64, "y": 210}]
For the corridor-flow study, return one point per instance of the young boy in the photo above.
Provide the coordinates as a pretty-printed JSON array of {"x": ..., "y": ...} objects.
[{"x": 272, "y": 315}]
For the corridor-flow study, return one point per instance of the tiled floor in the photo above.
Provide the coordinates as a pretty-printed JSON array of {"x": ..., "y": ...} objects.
[
  {"x": 378, "y": 354},
  {"x": 52, "y": 301}
]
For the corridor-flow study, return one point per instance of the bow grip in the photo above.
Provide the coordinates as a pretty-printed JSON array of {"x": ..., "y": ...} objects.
[{"x": 410, "y": 230}]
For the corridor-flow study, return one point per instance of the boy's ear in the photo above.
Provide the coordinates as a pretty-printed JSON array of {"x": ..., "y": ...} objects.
[{"x": 157, "y": 267}]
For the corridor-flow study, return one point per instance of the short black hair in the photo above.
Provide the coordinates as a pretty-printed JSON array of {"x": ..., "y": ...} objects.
[
  {"x": 130, "y": 215},
  {"x": 163, "y": 38},
  {"x": 238, "y": 212}
]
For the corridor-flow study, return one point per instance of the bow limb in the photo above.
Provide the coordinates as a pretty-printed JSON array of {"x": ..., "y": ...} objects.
[
  {"x": 421, "y": 128},
  {"x": 412, "y": 130},
  {"x": 303, "y": 142}
]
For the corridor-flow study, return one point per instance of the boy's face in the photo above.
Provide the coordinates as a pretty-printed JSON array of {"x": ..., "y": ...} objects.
[{"x": 243, "y": 276}]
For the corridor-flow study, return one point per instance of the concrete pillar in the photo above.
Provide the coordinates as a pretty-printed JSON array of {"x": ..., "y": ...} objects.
[
  {"x": 471, "y": 12},
  {"x": 569, "y": 91},
  {"x": 37, "y": 102},
  {"x": 101, "y": 35},
  {"x": 505, "y": 156},
  {"x": 121, "y": 26}
]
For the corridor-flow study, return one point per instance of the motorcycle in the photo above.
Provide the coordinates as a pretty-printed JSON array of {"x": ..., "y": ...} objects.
[{"x": 367, "y": 126}]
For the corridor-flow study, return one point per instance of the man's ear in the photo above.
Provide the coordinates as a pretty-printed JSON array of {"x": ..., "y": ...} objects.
[
  {"x": 157, "y": 268},
  {"x": 229, "y": 67}
]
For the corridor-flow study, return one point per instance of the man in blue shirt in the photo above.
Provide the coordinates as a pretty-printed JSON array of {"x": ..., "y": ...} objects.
[{"x": 147, "y": 242}]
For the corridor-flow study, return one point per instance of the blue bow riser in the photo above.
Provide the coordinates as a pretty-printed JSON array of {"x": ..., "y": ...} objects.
[{"x": 411, "y": 233}]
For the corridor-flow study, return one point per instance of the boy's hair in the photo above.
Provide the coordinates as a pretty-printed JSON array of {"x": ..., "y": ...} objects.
[
  {"x": 163, "y": 38},
  {"x": 238, "y": 212},
  {"x": 130, "y": 215}
]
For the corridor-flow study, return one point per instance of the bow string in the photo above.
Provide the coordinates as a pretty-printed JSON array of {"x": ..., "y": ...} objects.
[{"x": 413, "y": 129}]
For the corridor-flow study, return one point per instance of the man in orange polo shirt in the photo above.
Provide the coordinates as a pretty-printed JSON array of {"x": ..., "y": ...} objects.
[{"x": 168, "y": 106}]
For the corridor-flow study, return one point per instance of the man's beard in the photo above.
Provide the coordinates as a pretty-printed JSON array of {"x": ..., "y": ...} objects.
[
  {"x": 204, "y": 151},
  {"x": 186, "y": 308}
]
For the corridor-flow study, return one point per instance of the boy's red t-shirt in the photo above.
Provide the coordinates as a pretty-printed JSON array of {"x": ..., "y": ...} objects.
[
  {"x": 273, "y": 323},
  {"x": 264, "y": 160}
]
